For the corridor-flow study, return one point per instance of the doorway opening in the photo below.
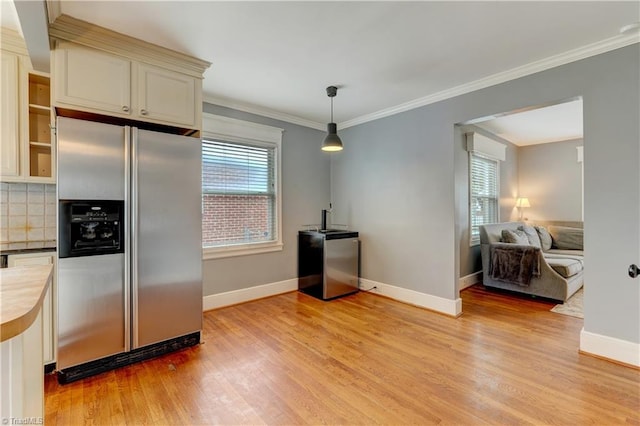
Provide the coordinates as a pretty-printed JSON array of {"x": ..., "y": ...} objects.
[{"x": 532, "y": 159}]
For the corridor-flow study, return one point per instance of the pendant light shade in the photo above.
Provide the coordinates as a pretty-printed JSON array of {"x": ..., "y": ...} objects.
[{"x": 332, "y": 141}]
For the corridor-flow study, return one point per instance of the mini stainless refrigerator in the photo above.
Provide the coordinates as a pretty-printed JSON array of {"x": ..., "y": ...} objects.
[{"x": 328, "y": 263}]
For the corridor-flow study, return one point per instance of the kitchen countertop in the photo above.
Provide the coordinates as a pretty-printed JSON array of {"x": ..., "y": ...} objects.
[{"x": 22, "y": 290}]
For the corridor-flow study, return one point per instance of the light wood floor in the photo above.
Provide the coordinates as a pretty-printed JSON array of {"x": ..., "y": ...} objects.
[{"x": 365, "y": 359}]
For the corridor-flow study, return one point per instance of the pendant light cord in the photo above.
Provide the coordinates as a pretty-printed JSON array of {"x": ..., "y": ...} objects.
[{"x": 332, "y": 109}]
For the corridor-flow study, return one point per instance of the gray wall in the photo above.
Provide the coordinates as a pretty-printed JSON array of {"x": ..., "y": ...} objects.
[
  {"x": 550, "y": 175},
  {"x": 612, "y": 192},
  {"x": 396, "y": 183},
  {"x": 305, "y": 192},
  {"x": 470, "y": 260}
]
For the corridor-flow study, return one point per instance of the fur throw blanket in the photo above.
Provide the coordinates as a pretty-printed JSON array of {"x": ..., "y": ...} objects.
[{"x": 514, "y": 263}]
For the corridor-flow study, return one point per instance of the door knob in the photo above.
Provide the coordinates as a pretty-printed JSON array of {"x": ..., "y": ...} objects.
[
  {"x": 125, "y": 108},
  {"x": 143, "y": 112},
  {"x": 634, "y": 271}
]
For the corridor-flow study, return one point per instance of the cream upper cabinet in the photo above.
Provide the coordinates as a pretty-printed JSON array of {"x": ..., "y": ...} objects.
[
  {"x": 100, "y": 71},
  {"x": 92, "y": 80},
  {"x": 9, "y": 117},
  {"x": 166, "y": 96}
]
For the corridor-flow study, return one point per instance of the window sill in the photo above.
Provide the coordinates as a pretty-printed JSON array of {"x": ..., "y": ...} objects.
[{"x": 239, "y": 250}]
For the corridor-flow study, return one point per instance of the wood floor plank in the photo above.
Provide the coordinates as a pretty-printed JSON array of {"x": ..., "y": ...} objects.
[{"x": 365, "y": 359}]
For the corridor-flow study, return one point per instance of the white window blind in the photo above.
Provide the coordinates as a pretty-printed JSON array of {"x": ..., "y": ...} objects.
[
  {"x": 238, "y": 193},
  {"x": 484, "y": 194}
]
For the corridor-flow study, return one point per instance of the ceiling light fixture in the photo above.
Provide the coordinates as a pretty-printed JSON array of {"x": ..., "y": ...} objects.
[{"x": 332, "y": 142}]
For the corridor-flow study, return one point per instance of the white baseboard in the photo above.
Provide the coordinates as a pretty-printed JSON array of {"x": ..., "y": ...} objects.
[
  {"x": 611, "y": 348},
  {"x": 469, "y": 280},
  {"x": 234, "y": 297},
  {"x": 423, "y": 300}
]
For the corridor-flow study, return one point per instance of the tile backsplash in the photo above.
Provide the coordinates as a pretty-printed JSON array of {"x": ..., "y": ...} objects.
[{"x": 27, "y": 215}]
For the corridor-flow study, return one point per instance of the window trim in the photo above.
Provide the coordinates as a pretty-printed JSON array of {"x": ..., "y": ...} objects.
[
  {"x": 227, "y": 129},
  {"x": 472, "y": 241},
  {"x": 485, "y": 147}
]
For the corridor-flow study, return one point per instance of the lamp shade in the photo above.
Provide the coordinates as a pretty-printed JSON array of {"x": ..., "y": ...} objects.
[
  {"x": 522, "y": 202},
  {"x": 332, "y": 141}
]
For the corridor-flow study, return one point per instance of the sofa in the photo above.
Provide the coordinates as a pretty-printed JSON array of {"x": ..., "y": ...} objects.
[{"x": 545, "y": 261}]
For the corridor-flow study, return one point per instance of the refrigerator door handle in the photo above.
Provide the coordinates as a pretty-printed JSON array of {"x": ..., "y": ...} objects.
[
  {"x": 127, "y": 242},
  {"x": 133, "y": 220}
]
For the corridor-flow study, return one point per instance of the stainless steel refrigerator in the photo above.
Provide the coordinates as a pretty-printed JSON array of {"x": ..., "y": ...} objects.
[{"x": 130, "y": 252}]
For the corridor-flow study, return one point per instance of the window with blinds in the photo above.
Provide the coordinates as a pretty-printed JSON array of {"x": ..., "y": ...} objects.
[
  {"x": 238, "y": 193},
  {"x": 484, "y": 194}
]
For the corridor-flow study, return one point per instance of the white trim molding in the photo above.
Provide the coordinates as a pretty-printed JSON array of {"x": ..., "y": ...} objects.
[
  {"x": 220, "y": 300},
  {"x": 610, "y": 348},
  {"x": 264, "y": 112},
  {"x": 240, "y": 250},
  {"x": 469, "y": 280},
  {"x": 434, "y": 303},
  {"x": 583, "y": 52},
  {"x": 227, "y": 129}
]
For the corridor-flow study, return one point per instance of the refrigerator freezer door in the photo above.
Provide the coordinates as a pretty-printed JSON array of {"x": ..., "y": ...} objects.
[
  {"x": 91, "y": 308},
  {"x": 166, "y": 236},
  {"x": 91, "y": 160}
]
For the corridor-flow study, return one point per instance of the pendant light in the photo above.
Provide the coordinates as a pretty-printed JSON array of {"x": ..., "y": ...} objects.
[{"x": 332, "y": 142}]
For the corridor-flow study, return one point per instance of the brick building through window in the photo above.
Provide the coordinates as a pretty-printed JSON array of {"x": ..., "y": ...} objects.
[{"x": 238, "y": 193}]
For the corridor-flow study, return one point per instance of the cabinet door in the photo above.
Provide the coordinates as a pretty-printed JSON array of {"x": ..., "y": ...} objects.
[
  {"x": 9, "y": 124},
  {"x": 166, "y": 96},
  {"x": 92, "y": 80},
  {"x": 47, "y": 305}
]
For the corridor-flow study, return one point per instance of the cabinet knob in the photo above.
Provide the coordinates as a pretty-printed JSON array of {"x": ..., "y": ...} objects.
[
  {"x": 125, "y": 108},
  {"x": 143, "y": 112}
]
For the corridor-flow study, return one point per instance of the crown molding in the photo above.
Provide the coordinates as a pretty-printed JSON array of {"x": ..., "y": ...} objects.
[
  {"x": 584, "y": 52},
  {"x": 502, "y": 77},
  {"x": 13, "y": 42},
  {"x": 264, "y": 112},
  {"x": 69, "y": 29}
]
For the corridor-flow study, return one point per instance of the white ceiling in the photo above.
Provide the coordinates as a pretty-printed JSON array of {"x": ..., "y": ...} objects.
[
  {"x": 279, "y": 57},
  {"x": 554, "y": 123}
]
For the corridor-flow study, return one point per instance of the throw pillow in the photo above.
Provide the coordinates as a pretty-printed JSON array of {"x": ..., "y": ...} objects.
[
  {"x": 515, "y": 236},
  {"x": 532, "y": 235},
  {"x": 567, "y": 238},
  {"x": 545, "y": 238}
]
